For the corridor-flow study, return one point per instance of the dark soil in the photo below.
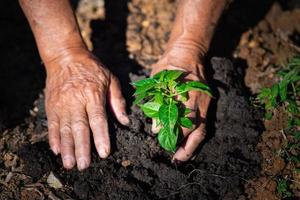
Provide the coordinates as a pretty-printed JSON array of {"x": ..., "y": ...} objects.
[
  {"x": 133, "y": 34},
  {"x": 139, "y": 169}
]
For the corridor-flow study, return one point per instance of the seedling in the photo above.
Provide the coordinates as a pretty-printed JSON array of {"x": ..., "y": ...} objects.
[
  {"x": 161, "y": 98},
  {"x": 286, "y": 95},
  {"x": 283, "y": 188}
]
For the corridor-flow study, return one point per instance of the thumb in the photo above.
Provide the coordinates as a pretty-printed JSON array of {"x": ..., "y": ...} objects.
[{"x": 117, "y": 101}]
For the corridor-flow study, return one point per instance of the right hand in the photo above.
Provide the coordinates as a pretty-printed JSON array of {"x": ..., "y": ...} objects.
[
  {"x": 198, "y": 102},
  {"x": 76, "y": 90}
]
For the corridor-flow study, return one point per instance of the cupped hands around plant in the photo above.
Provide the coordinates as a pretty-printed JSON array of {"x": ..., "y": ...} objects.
[{"x": 177, "y": 100}]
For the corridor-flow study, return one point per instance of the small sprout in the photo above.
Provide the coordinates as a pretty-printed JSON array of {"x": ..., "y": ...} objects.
[
  {"x": 161, "y": 98},
  {"x": 286, "y": 94},
  {"x": 283, "y": 188}
]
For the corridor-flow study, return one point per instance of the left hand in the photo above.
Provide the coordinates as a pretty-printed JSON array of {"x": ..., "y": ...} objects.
[{"x": 197, "y": 102}]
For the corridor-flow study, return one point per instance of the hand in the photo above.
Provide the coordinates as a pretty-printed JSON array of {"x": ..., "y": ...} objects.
[
  {"x": 198, "y": 102},
  {"x": 76, "y": 91}
]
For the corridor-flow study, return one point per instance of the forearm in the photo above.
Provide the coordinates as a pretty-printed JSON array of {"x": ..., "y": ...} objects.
[
  {"x": 54, "y": 26},
  {"x": 194, "y": 27}
]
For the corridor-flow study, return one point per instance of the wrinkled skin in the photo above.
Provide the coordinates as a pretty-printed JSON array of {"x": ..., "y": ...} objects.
[
  {"x": 75, "y": 102},
  {"x": 78, "y": 85}
]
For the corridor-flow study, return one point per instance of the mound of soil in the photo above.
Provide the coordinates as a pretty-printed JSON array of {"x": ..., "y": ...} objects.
[{"x": 139, "y": 169}]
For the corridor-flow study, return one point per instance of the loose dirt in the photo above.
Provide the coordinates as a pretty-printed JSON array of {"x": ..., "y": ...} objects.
[{"x": 128, "y": 36}]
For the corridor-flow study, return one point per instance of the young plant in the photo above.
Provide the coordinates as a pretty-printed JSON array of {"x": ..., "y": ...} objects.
[
  {"x": 161, "y": 98},
  {"x": 286, "y": 95},
  {"x": 283, "y": 188}
]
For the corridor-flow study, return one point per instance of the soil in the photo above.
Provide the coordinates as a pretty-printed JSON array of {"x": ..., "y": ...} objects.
[
  {"x": 139, "y": 169},
  {"x": 129, "y": 36}
]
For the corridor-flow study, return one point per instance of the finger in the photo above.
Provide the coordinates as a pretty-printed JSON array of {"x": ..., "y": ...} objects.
[
  {"x": 53, "y": 133},
  {"x": 81, "y": 135},
  {"x": 204, "y": 101},
  {"x": 98, "y": 123},
  {"x": 192, "y": 141},
  {"x": 155, "y": 128},
  {"x": 117, "y": 102},
  {"x": 192, "y": 104},
  {"x": 67, "y": 143}
]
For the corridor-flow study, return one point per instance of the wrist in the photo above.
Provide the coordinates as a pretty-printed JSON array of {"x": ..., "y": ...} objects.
[
  {"x": 184, "y": 55},
  {"x": 187, "y": 47},
  {"x": 64, "y": 56}
]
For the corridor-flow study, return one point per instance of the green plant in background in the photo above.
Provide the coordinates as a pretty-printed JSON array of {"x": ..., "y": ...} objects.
[
  {"x": 161, "y": 98},
  {"x": 286, "y": 95},
  {"x": 283, "y": 188}
]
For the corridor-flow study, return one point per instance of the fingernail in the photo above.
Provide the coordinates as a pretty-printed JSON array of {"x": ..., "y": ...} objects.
[
  {"x": 68, "y": 161},
  {"x": 177, "y": 162},
  {"x": 55, "y": 150},
  {"x": 103, "y": 152},
  {"x": 125, "y": 119},
  {"x": 81, "y": 164}
]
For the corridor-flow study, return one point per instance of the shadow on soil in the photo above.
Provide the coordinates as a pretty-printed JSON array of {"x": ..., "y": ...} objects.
[{"x": 21, "y": 72}]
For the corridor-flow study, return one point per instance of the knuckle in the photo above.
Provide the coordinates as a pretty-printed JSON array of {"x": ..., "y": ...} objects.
[
  {"x": 65, "y": 130},
  {"x": 97, "y": 118},
  {"x": 67, "y": 145},
  {"x": 79, "y": 126},
  {"x": 90, "y": 89},
  {"x": 52, "y": 125},
  {"x": 199, "y": 136}
]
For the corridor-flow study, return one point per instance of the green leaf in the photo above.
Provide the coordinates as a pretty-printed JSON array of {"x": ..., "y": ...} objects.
[
  {"x": 139, "y": 98},
  {"x": 144, "y": 82},
  {"x": 295, "y": 159},
  {"x": 160, "y": 75},
  {"x": 168, "y": 138},
  {"x": 151, "y": 109},
  {"x": 269, "y": 105},
  {"x": 288, "y": 76},
  {"x": 168, "y": 115},
  {"x": 283, "y": 90},
  {"x": 181, "y": 88},
  {"x": 274, "y": 92},
  {"x": 297, "y": 170},
  {"x": 185, "y": 122},
  {"x": 172, "y": 84},
  {"x": 172, "y": 75},
  {"x": 197, "y": 85},
  {"x": 158, "y": 98},
  {"x": 282, "y": 188},
  {"x": 264, "y": 93},
  {"x": 297, "y": 122},
  {"x": 193, "y": 85},
  {"x": 292, "y": 107},
  {"x": 296, "y": 135},
  {"x": 143, "y": 89},
  {"x": 268, "y": 115},
  {"x": 183, "y": 97},
  {"x": 187, "y": 111}
]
